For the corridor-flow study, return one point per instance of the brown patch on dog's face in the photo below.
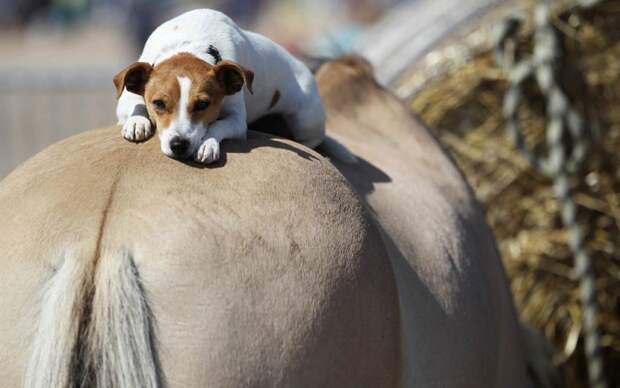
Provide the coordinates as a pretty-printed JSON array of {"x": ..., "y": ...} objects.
[
  {"x": 184, "y": 94},
  {"x": 161, "y": 89},
  {"x": 163, "y": 92},
  {"x": 162, "y": 101}
]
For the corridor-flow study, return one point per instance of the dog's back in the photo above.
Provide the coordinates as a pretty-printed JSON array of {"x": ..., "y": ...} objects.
[{"x": 282, "y": 84}]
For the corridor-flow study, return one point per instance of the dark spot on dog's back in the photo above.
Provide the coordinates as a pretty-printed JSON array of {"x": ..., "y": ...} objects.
[
  {"x": 215, "y": 53},
  {"x": 274, "y": 99}
]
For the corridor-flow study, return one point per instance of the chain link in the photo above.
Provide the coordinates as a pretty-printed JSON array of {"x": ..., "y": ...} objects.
[{"x": 567, "y": 142}]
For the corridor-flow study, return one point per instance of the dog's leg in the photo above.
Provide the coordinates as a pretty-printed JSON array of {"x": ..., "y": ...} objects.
[
  {"x": 307, "y": 125},
  {"x": 231, "y": 125},
  {"x": 133, "y": 116},
  {"x": 303, "y": 110},
  {"x": 306, "y": 129}
]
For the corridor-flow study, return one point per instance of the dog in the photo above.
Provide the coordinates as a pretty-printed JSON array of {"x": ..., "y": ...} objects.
[{"x": 189, "y": 84}]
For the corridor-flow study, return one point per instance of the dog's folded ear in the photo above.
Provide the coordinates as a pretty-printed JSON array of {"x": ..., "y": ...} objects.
[
  {"x": 232, "y": 76},
  {"x": 134, "y": 78}
]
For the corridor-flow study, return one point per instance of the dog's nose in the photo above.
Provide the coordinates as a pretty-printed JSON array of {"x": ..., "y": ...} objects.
[{"x": 179, "y": 146}]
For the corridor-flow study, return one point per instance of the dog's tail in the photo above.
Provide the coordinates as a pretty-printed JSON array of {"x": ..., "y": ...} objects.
[
  {"x": 333, "y": 149},
  {"x": 95, "y": 329}
]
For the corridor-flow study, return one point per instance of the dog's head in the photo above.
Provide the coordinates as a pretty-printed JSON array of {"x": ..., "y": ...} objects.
[{"x": 183, "y": 95}]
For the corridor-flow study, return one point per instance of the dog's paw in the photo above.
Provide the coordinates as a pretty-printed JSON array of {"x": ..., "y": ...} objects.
[
  {"x": 137, "y": 128},
  {"x": 209, "y": 151}
]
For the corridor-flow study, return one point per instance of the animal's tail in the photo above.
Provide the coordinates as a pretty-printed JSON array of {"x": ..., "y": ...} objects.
[
  {"x": 333, "y": 149},
  {"x": 95, "y": 329}
]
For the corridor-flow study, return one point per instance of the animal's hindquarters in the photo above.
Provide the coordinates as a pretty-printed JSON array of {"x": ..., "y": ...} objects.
[{"x": 266, "y": 272}]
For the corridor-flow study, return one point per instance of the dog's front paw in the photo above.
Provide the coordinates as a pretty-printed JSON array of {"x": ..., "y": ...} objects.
[
  {"x": 137, "y": 128},
  {"x": 209, "y": 151}
]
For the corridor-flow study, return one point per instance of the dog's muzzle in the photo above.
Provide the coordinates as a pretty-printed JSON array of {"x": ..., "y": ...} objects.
[{"x": 179, "y": 146}]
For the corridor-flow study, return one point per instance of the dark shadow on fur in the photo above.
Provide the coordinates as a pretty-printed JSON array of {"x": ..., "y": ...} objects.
[
  {"x": 81, "y": 370},
  {"x": 363, "y": 175},
  {"x": 194, "y": 164},
  {"x": 273, "y": 124},
  {"x": 254, "y": 141}
]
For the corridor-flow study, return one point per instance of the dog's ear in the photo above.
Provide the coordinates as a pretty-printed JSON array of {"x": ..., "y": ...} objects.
[
  {"x": 134, "y": 78},
  {"x": 231, "y": 76}
]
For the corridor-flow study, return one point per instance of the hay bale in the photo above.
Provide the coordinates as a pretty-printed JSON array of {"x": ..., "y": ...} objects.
[{"x": 464, "y": 106}]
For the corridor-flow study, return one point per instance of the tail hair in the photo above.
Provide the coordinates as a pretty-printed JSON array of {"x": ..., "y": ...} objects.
[{"x": 95, "y": 330}]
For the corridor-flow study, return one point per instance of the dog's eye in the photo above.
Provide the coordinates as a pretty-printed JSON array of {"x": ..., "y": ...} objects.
[
  {"x": 201, "y": 105},
  {"x": 159, "y": 104}
]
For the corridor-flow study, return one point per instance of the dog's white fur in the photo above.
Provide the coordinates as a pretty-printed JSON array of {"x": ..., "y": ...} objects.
[{"x": 274, "y": 69}]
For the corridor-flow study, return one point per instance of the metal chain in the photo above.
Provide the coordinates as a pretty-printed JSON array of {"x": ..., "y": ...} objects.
[{"x": 567, "y": 142}]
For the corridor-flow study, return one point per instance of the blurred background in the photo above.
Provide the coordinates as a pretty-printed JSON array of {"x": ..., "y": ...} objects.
[{"x": 58, "y": 58}]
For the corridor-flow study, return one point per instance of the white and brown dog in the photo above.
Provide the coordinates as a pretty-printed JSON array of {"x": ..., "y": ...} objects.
[{"x": 196, "y": 99}]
